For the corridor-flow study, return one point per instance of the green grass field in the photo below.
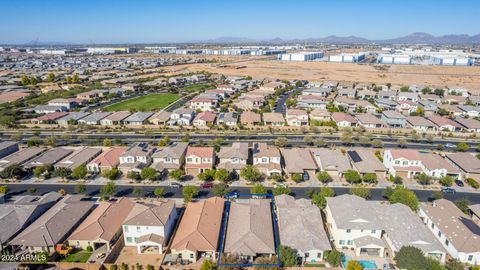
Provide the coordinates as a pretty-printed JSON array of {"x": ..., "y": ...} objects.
[{"x": 146, "y": 103}]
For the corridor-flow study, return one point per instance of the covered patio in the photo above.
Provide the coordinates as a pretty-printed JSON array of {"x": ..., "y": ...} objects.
[
  {"x": 369, "y": 246},
  {"x": 150, "y": 244}
]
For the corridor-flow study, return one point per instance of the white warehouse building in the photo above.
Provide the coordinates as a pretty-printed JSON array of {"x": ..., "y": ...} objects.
[
  {"x": 301, "y": 56},
  {"x": 452, "y": 61},
  {"x": 347, "y": 57},
  {"x": 394, "y": 59}
]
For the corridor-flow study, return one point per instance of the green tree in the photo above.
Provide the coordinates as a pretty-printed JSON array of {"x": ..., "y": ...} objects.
[
  {"x": 370, "y": 178},
  {"x": 62, "y": 172},
  {"x": 446, "y": 181},
  {"x": 279, "y": 190},
  {"x": 297, "y": 177},
  {"x": 320, "y": 198},
  {"x": 376, "y": 143},
  {"x": 207, "y": 265},
  {"x": 207, "y": 175},
  {"x": 51, "y": 77},
  {"x": 108, "y": 190},
  {"x": 352, "y": 177},
  {"x": 423, "y": 179},
  {"x": 38, "y": 171},
  {"x": 79, "y": 172},
  {"x": 3, "y": 189},
  {"x": 107, "y": 142},
  {"x": 404, "y": 196},
  {"x": 31, "y": 191},
  {"x": 133, "y": 175},
  {"x": 189, "y": 192},
  {"x": 7, "y": 121},
  {"x": 80, "y": 188},
  {"x": 354, "y": 265},
  {"x": 159, "y": 192},
  {"x": 463, "y": 204},
  {"x": 75, "y": 78},
  {"x": 220, "y": 190},
  {"x": 462, "y": 147},
  {"x": 409, "y": 257},
  {"x": 148, "y": 173},
  {"x": 186, "y": 138},
  {"x": 25, "y": 80},
  {"x": 439, "y": 92},
  {"x": 51, "y": 141},
  {"x": 333, "y": 257},
  {"x": 112, "y": 174},
  {"x": 250, "y": 173},
  {"x": 288, "y": 256},
  {"x": 281, "y": 141},
  {"x": 324, "y": 177},
  {"x": 14, "y": 171},
  {"x": 361, "y": 192},
  {"x": 222, "y": 175},
  {"x": 258, "y": 189},
  {"x": 176, "y": 174}
]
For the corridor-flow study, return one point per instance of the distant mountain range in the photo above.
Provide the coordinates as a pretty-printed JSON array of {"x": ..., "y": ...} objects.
[{"x": 415, "y": 38}]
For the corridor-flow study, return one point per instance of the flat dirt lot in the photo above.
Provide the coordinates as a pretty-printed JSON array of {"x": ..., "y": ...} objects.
[{"x": 437, "y": 76}]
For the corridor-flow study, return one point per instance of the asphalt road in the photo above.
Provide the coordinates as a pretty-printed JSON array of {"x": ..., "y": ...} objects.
[{"x": 171, "y": 192}]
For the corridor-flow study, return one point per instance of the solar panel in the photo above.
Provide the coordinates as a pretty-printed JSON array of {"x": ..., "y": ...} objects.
[{"x": 354, "y": 156}]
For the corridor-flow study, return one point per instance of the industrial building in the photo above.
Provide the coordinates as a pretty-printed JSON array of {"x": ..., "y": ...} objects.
[
  {"x": 347, "y": 57},
  {"x": 301, "y": 56},
  {"x": 394, "y": 59}
]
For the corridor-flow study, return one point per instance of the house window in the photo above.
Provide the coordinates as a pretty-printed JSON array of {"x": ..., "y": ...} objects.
[
  {"x": 125, "y": 228},
  {"x": 350, "y": 242},
  {"x": 319, "y": 255},
  {"x": 349, "y": 231},
  {"x": 138, "y": 229},
  {"x": 433, "y": 225},
  {"x": 341, "y": 242},
  {"x": 439, "y": 234},
  {"x": 374, "y": 231},
  {"x": 307, "y": 255},
  {"x": 191, "y": 256},
  {"x": 129, "y": 239},
  {"x": 470, "y": 257},
  {"x": 446, "y": 242}
]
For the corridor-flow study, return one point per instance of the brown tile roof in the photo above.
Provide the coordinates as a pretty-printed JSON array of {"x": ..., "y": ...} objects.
[
  {"x": 109, "y": 157},
  {"x": 250, "y": 229},
  {"x": 460, "y": 230},
  {"x": 150, "y": 213},
  {"x": 200, "y": 226},
  {"x": 104, "y": 222},
  {"x": 204, "y": 152}
]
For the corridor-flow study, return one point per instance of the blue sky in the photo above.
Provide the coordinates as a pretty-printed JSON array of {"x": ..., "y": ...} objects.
[{"x": 122, "y": 21}]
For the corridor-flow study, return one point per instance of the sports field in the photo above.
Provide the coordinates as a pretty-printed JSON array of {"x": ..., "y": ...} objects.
[{"x": 146, "y": 103}]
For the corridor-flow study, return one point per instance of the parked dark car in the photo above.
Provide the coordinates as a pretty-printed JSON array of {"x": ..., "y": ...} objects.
[{"x": 459, "y": 183}]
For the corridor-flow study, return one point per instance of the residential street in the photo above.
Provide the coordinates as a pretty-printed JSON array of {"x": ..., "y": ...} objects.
[{"x": 170, "y": 192}]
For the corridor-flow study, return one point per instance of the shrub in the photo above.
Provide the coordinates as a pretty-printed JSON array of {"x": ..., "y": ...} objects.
[
  {"x": 333, "y": 257},
  {"x": 89, "y": 248},
  {"x": 352, "y": 177},
  {"x": 446, "y": 181},
  {"x": 324, "y": 177},
  {"x": 472, "y": 182},
  {"x": 361, "y": 192},
  {"x": 297, "y": 177},
  {"x": 370, "y": 178}
]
